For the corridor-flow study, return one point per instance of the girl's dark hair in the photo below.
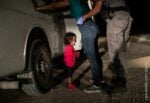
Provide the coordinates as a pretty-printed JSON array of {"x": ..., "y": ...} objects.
[{"x": 68, "y": 36}]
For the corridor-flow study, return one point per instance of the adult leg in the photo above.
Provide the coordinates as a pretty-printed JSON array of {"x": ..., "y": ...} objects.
[
  {"x": 116, "y": 28},
  {"x": 89, "y": 33}
]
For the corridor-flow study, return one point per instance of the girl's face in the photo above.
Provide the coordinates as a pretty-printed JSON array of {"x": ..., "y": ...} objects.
[{"x": 73, "y": 41}]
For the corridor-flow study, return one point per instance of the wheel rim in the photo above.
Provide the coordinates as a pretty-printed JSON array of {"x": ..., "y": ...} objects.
[{"x": 42, "y": 67}]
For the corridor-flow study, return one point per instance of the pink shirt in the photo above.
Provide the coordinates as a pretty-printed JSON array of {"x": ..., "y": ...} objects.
[{"x": 70, "y": 56}]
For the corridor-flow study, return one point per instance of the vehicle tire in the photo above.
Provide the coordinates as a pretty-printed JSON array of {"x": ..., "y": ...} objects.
[{"x": 38, "y": 76}]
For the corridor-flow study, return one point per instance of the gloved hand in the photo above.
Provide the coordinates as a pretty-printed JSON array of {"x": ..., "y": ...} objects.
[{"x": 80, "y": 21}]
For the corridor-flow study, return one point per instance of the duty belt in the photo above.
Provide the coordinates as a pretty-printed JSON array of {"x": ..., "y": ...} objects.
[{"x": 120, "y": 8}]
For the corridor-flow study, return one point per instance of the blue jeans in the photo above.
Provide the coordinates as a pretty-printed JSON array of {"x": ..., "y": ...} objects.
[{"x": 89, "y": 34}]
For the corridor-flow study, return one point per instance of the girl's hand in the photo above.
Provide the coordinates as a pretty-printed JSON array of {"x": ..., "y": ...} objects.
[{"x": 77, "y": 54}]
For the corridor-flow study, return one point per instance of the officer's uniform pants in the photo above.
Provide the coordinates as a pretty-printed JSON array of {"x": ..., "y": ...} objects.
[{"x": 117, "y": 36}]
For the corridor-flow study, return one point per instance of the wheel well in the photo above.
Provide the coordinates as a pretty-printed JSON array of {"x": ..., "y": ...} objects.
[{"x": 36, "y": 33}]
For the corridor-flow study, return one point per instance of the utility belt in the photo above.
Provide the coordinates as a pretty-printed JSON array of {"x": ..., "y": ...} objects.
[
  {"x": 108, "y": 12},
  {"x": 120, "y": 8}
]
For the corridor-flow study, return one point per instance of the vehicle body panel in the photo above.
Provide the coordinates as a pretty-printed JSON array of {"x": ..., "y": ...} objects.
[{"x": 17, "y": 19}]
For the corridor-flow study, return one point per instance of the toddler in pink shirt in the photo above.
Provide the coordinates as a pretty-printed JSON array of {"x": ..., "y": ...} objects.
[{"x": 70, "y": 56}]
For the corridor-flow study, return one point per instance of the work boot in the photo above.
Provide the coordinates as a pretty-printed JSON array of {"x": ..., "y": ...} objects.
[{"x": 119, "y": 84}]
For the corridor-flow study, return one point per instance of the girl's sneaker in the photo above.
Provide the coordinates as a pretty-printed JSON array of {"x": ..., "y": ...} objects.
[{"x": 71, "y": 86}]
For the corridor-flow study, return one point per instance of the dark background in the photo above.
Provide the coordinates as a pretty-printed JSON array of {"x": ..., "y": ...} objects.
[{"x": 140, "y": 13}]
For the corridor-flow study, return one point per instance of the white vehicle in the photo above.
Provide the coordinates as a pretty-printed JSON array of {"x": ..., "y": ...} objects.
[{"x": 29, "y": 40}]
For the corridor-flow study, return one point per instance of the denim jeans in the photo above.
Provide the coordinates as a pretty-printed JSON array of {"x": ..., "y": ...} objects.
[{"x": 89, "y": 33}]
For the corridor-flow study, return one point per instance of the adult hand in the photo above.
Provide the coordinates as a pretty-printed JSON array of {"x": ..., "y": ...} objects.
[
  {"x": 36, "y": 8},
  {"x": 80, "y": 21}
]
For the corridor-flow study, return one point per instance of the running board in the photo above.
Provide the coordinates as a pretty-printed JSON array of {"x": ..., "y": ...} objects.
[{"x": 9, "y": 85}]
